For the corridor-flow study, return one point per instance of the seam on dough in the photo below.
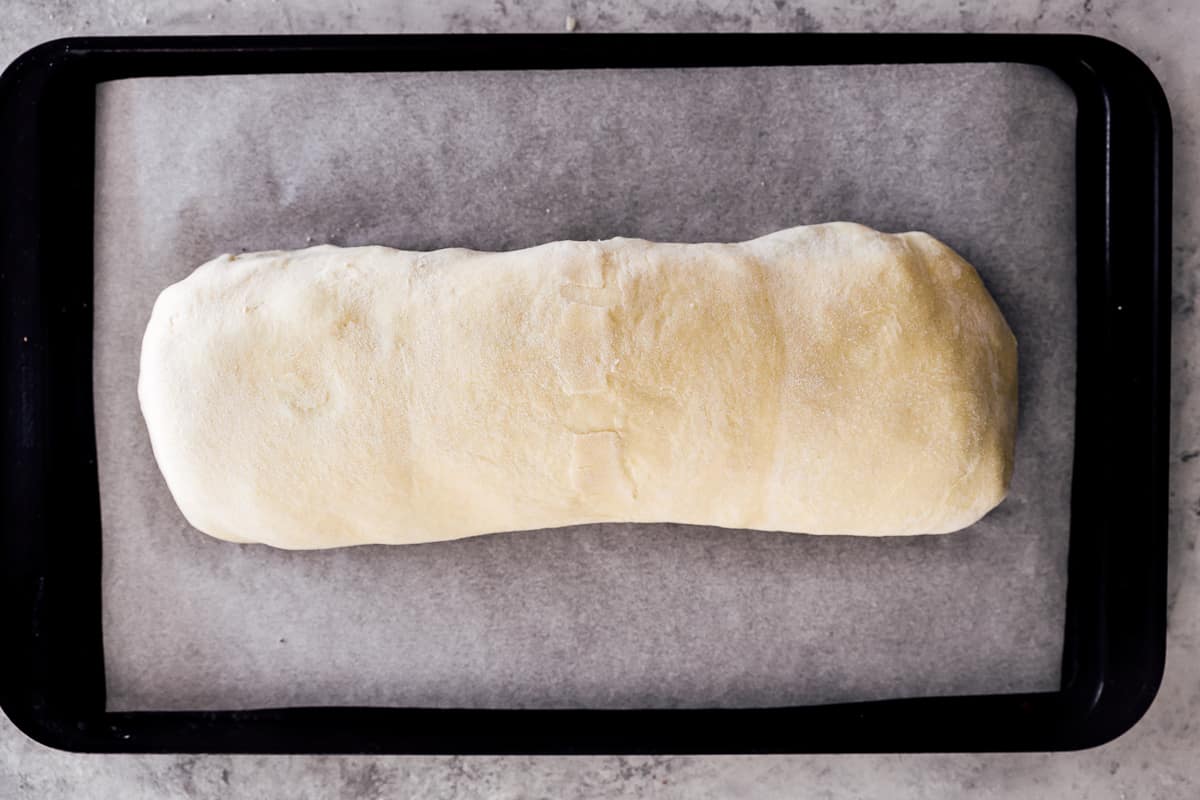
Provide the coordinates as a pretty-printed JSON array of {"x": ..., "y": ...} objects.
[
  {"x": 606, "y": 466},
  {"x": 623, "y": 463},
  {"x": 598, "y": 461},
  {"x": 768, "y": 464},
  {"x": 588, "y": 431},
  {"x": 601, "y": 296},
  {"x": 592, "y": 411}
]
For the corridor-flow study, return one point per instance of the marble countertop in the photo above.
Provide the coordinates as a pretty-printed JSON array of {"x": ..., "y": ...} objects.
[{"x": 1157, "y": 759}]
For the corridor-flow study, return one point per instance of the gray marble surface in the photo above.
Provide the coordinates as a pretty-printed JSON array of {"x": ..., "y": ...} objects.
[{"x": 1157, "y": 759}]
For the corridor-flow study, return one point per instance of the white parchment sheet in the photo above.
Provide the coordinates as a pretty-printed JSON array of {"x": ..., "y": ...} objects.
[{"x": 981, "y": 156}]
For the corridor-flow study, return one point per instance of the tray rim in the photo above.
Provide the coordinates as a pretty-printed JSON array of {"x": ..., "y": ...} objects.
[{"x": 51, "y": 683}]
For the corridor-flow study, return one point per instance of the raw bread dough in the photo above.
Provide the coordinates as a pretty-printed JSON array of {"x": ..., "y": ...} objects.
[{"x": 822, "y": 379}]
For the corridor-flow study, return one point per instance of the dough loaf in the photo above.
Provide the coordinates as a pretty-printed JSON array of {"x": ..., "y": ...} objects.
[{"x": 823, "y": 379}]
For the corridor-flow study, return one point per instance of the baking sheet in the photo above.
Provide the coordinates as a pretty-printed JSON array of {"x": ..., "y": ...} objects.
[{"x": 981, "y": 156}]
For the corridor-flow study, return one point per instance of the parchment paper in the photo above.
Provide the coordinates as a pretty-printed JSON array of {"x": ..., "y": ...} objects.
[{"x": 981, "y": 156}]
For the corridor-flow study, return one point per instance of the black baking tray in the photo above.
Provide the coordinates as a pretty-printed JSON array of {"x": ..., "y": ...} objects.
[{"x": 52, "y": 672}]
